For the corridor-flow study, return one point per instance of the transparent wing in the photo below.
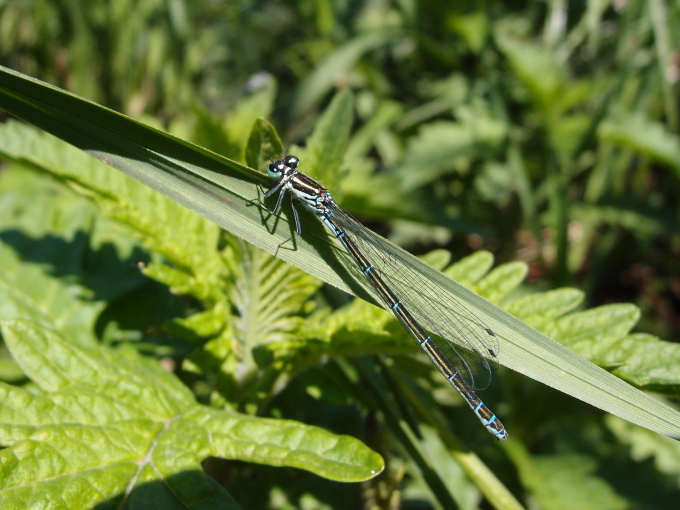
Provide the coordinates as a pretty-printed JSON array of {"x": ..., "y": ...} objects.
[{"x": 470, "y": 346}]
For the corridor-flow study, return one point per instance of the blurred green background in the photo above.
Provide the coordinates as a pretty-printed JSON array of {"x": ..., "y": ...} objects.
[{"x": 545, "y": 132}]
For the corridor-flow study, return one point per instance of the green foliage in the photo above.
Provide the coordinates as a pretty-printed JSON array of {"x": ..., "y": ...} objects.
[
  {"x": 251, "y": 308},
  {"x": 546, "y": 132},
  {"x": 102, "y": 423},
  {"x": 89, "y": 397}
]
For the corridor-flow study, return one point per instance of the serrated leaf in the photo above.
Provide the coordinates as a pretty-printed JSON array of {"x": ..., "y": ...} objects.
[
  {"x": 267, "y": 294},
  {"x": 114, "y": 421},
  {"x": 501, "y": 281},
  {"x": 200, "y": 325},
  {"x": 645, "y": 361},
  {"x": 183, "y": 238},
  {"x": 438, "y": 259},
  {"x": 540, "y": 309},
  {"x": 581, "y": 331},
  {"x": 266, "y": 298},
  {"x": 469, "y": 270}
]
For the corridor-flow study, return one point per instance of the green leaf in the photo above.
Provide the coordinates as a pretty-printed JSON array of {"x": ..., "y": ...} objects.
[
  {"x": 602, "y": 335},
  {"x": 115, "y": 421},
  {"x": 327, "y": 145},
  {"x": 643, "y": 360},
  {"x": 534, "y": 64},
  {"x": 565, "y": 481},
  {"x": 229, "y": 137},
  {"x": 265, "y": 300},
  {"x": 263, "y": 142},
  {"x": 247, "y": 112},
  {"x": 60, "y": 263},
  {"x": 635, "y": 132},
  {"x": 365, "y": 138},
  {"x": 443, "y": 147},
  {"x": 539, "y": 310},
  {"x": 335, "y": 66},
  {"x": 639, "y": 218},
  {"x": 470, "y": 270},
  {"x": 587, "y": 328},
  {"x": 645, "y": 445},
  {"x": 185, "y": 239},
  {"x": 501, "y": 281},
  {"x": 222, "y": 191},
  {"x": 473, "y": 28}
]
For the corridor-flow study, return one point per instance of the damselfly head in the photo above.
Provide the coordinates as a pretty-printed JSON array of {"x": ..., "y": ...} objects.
[{"x": 282, "y": 166}]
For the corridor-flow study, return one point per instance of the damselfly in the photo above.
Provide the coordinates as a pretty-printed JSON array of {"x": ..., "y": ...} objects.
[{"x": 434, "y": 324}]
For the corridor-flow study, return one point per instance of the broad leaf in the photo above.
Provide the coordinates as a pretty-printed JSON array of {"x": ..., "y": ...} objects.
[
  {"x": 61, "y": 263},
  {"x": 108, "y": 427}
]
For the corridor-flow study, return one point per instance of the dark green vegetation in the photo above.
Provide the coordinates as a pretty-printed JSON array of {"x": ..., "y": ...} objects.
[{"x": 545, "y": 133}]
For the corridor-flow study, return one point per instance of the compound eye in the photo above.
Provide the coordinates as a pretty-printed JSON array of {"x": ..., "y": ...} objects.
[
  {"x": 274, "y": 170},
  {"x": 292, "y": 161}
]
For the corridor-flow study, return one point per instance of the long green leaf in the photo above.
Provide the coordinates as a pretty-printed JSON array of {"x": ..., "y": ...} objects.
[{"x": 221, "y": 190}]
